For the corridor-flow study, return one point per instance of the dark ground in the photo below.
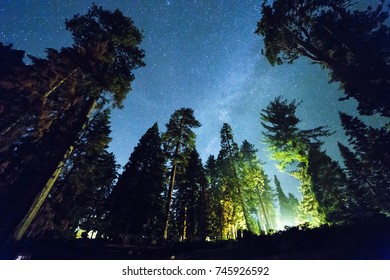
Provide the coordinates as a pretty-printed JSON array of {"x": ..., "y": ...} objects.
[{"x": 365, "y": 240}]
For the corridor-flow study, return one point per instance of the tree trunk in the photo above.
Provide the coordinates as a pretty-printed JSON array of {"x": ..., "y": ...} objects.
[
  {"x": 244, "y": 210},
  {"x": 262, "y": 207},
  {"x": 37, "y": 202},
  {"x": 185, "y": 224},
  {"x": 40, "y": 198},
  {"x": 170, "y": 191}
]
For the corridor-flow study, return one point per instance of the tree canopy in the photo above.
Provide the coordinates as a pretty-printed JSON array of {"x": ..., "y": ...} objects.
[{"x": 352, "y": 44}]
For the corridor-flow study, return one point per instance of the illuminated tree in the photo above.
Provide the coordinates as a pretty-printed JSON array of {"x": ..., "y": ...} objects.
[
  {"x": 235, "y": 212},
  {"x": 257, "y": 194},
  {"x": 352, "y": 44},
  {"x": 287, "y": 205},
  {"x": 290, "y": 146}
]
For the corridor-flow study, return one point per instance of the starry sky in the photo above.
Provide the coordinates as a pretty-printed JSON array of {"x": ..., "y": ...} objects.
[{"x": 199, "y": 54}]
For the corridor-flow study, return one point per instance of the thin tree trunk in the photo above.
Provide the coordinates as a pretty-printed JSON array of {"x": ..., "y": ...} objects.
[
  {"x": 263, "y": 210},
  {"x": 185, "y": 224},
  {"x": 170, "y": 191},
  {"x": 258, "y": 221},
  {"x": 244, "y": 210},
  {"x": 49, "y": 92},
  {"x": 43, "y": 99},
  {"x": 40, "y": 198},
  {"x": 246, "y": 216}
]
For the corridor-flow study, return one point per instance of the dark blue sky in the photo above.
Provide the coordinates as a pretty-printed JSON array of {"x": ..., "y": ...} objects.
[{"x": 199, "y": 54}]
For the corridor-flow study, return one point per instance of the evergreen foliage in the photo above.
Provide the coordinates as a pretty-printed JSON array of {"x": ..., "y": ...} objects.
[
  {"x": 57, "y": 176},
  {"x": 287, "y": 205},
  {"x": 214, "y": 198},
  {"x": 257, "y": 193},
  {"x": 136, "y": 204},
  {"x": 352, "y": 44},
  {"x": 190, "y": 205},
  {"x": 78, "y": 198},
  {"x": 234, "y": 213},
  {"x": 55, "y": 97},
  {"x": 178, "y": 141},
  {"x": 300, "y": 149},
  {"x": 367, "y": 162}
]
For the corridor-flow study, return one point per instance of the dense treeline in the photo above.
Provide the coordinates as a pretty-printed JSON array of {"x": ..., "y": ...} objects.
[
  {"x": 354, "y": 46},
  {"x": 58, "y": 179}
]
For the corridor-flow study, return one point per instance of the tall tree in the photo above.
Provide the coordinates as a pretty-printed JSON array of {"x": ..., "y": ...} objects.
[
  {"x": 62, "y": 91},
  {"x": 178, "y": 140},
  {"x": 329, "y": 185},
  {"x": 190, "y": 200},
  {"x": 294, "y": 206},
  {"x": 78, "y": 198},
  {"x": 257, "y": 195},
  {"x": 268, "y": 196},
  {"x": 367, "y": 161},
  {"x": 214, "y": 198},
  {"x": 136, "y": 203},
  {"x": 235, "y": 213},
  {"x": 354, "y": 45},
  {"x": 286, "y": 205},
  {"x": 291, "y": 146}
]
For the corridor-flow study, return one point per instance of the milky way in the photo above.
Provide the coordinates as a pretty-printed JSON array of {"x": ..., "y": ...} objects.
[{"x": 199, "y": 54}]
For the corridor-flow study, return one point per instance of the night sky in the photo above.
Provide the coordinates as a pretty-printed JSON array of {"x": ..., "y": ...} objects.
[{"x": 199, "y": 54}]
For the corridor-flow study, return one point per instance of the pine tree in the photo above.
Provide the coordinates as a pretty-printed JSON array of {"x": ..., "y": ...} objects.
[
  {"x": 62, "y": 91},
  {"x": 179, "y": 141},
  {"x": 287, "y": 213},
  {"x": 214, "y": 198},
  {"x": 294, "y": 206},
  {"x": 367, "y": 162},
  {"x": 235, "y": 214},
  {"x": 329, "y": 186},
  {"x": 78, "y": 198},
  {"x": 190, "y": 200},
  {"x": 268, "y": 196},
  {"x": 258, "y": 196},
  {"x": 291, "y": 146},
  {"x": 136, "y": 203},
  {"x": 352, "y": 44}
]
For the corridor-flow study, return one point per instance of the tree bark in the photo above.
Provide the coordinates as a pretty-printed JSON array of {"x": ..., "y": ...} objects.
[{"x": 170, "y": 191}]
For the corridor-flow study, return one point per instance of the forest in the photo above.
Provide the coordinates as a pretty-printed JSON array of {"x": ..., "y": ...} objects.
[{"x": 63, "y": 195}]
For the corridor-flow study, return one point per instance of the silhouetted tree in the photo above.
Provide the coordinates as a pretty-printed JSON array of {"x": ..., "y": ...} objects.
[
  {"x": 179, "y": 141},
  {"x": 214, "y": 197},
  {"x": 286, "y": 205},
  {"x": 353, "y": 45},
  {"x": 190, "y": 200},
  {"x": 367, "y": 163},
  {"x": 136, "y": 203},
  {"x": 78, "y": 198},
  {"x": 329, "y": 186}
]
